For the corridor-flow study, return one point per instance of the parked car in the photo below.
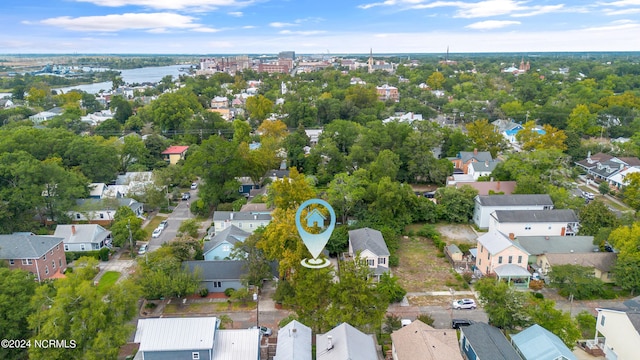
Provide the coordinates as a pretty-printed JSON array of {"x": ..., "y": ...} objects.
[
  {"x": 143, "y": 249},
  {"x": 163, "y": 224},
  {"x": 587, "y": 195},
  {"x": 464, "y": 304},
  {"x": 156, "y": 233},
  {"x": 263, "y": 330},
  {"x": 186, "y": 196},
  {"x": 194, "y": 186},
  {"x": 458, "y": 323}
]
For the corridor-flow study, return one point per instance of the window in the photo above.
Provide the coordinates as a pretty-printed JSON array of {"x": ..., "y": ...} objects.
[
  {"x": 481, "y": 248},
  {"x": 66, "y": 247},
  {"x": 101, "y": 216},
  {"x": 60, "y": 262},
  {"x": 240, "y": 188},
  {"x": 499, "y": 259},
  {"x": 510, "y": 259},
  {"x": 53, "y": 264},
  {"x": 58, "y": 247},
  {"x": 77, "y": 215},
  {"x": 46, "y": 270},
  {"x": 26, "y": 262},
  {"x": 602, "y": 321},
  {"x": 527, "y": 227},
  {"x": 479, "y": 262},
  {"x": 82, "y": 247},
  {"x": 382, "y": 260},
  {"x": 217, "y": 284},
  {"x": 44, "y": 257},
  {"x": 250, "y": 226},
  {"x": 11, "y": 262},
  {"x": 371, "y": 262},
  {"x": 466, "y": 345},
  {"x": 520, "y": 259},
  {"x": 195, "y": 356},
  {"x": 51, "y": 252}
]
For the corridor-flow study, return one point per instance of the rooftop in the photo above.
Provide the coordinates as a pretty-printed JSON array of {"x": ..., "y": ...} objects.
[
  {"x": 26, "y": 245},
  {"x": 368, "y": 239},
  {"x": 164, "y": 334},
  {"x": 535, "y": 216},
  {"x": 515, "y": 200}
]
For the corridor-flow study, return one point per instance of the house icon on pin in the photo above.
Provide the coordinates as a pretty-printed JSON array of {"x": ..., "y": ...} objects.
[{"x": 315, "y": 218}]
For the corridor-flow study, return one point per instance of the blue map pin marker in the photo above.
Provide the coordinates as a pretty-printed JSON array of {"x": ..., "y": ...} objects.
[{"x": 315, "y": 243}]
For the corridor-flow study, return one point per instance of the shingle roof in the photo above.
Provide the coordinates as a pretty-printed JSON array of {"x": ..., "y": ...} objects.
[
  {"x": 533, "y": 216},
  {"x": 602, "y": 261},
  {"x": 294, "y": 342},
  {"x": 536, "y": 342},
  {"x": 483, "y": 166},
  {"x": 489, "y": 343},
  {"x": 483, "y": 156},
  {"x": 556, "y": 244},
  {"x": 81, "y": 233},
  {"x": 420, "y": 341},
  {"x": 495, "y": 242},
  {"x": 163, "y": 334},
  {"x": 368, "y": 239},
  {"x": 26, "y": 246},
  {"x": 232, "y": 235},
  {"x": 175, "y": 150},
  {"x": 348, "y": 343},
  {"x": 241, "y": 215},
  {"x": 515, "y": 200}
]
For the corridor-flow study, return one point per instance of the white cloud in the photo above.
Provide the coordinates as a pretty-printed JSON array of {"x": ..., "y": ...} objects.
[
  {"x": 171, "y": 4},
  {"x": 492, "y": 24},
  {"x": 612, "y": 12},
  {"x": 205, "y": 29},
  {"x": 622, "y": 3},
  {"x": 236, "y": 13},
  {"x": 305, "y": 33},
  {"x": 278, "y": 24},
  {"x": 615, "y": 25},
  {"x": 156, "y": 22},
  {"x": 249, "y": 27}
]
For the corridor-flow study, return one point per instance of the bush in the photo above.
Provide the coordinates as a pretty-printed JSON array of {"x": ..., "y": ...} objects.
[
  {"x": 225, "y": 207},
  {"x": 229, "y": 291},
  {"x": 426, "y": 318},
  {"x": 536, "y": 284},
  {"x": 150, "y": 305},
  {"x": 69, "y": 270},
  {"x": 394, "y": 260},
  {"x": 75, "y": 255},
  {"x": 204, "y": 292},
  {"x": 467, "y": 276},
  {"x": 538, "y": 295},
  {"x": 103, "y": 254}
]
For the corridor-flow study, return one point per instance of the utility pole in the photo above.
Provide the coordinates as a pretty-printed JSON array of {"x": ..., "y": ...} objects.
[
  {"x": 130, "y": 236},
  {"x": 256, "y": 298}
]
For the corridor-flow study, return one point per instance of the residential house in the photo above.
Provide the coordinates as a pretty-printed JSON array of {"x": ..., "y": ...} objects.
[
  {"x": 314, "y": 135},
  {"x": 409, "y": 117},
  {"x": 219, "y": 102},
  {"x": 602, "y": 263},
  {"x": 219, "y": 275},
  {"x": 481, "y": 341},
  {"x": 221, "y": 245},
  {"x": 130, "y": 183},
  {"x": 225, "y": 113},
  {"x": 46, "y": 115},
  {"x": 487, "y": 187},
  {"x": 175, "y": 153},
  {"x": 487, "y": 204},
  {"x": 420, "y": 341},
  {"x": 195, "y": 338},
  {"x": 97, "y": 190},
  {"x": 618, "y": 331},
  {"x": 620, "y": 180},
  {"x": 97, "y": 118},
  {"x": 562, "y": 222},
  {"x": 500, "y": 255},
  {"x": 247, "y": 221},
  {"x": 294, "y": 342},
  {"x": 102, "y": 211},
  {"x": 477, "y": 169},
  {"x": 83, "y": 237},
  {"x": 344, "y": 342},
  {"x": 604, "y": 167},
  {"x": 246, "y": 185},
  {"x": 42, "y": 256},
  {"x": 538, "y": 343},
  {"x": 387, "y": 92},
  {"x": 369, "y": 245},
  {"x": 465, "y": 158},
  {"x": 6, "y": 103}
]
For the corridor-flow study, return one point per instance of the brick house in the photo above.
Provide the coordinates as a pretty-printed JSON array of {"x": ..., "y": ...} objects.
[{"x": 42, "y": 256}]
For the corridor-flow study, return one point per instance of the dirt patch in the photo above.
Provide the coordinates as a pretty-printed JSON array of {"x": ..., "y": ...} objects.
[
  {"x": 422, "y": 268},
  {"x": 457, "y": 233},
  {"x": 429, "y": 300}
]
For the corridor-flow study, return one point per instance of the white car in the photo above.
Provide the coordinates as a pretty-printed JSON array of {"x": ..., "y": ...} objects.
[
  {"x": 587, "y": 195},
  {"x": 156, "y": 233},
  {"x": 464, "y": 304},
  {"x": 263, "y": 330},
  {"x": 163, "y": 224},
  {"x": 194, "y": 186},
  {"x": 143, "y": 249}
]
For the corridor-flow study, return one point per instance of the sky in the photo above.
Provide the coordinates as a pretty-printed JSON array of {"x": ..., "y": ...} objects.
[{"x": 316, "y": 26}]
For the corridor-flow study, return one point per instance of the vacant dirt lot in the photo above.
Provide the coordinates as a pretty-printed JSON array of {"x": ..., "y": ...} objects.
[
  {"x": 421, "y": 269},
  {"x": 457, "y": 233}
]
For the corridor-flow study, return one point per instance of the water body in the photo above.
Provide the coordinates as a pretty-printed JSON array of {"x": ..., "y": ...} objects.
[{"x": 141, "y": 75}]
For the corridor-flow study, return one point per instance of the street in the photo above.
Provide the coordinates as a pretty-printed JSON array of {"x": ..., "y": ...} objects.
[{"x": 180, "y": 213}]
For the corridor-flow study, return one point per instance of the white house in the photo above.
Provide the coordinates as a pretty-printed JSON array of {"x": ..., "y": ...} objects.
[
  {"x": 485, "y": 205},
  {"x": 535, "y": 222},
  {"x": 247, "y": 221},
  {"x": 369, "y": 245},
  {"x": 618, "y": 331},
  {"x": 477, "y": 169},
  {"x": 83, "y": 237}
]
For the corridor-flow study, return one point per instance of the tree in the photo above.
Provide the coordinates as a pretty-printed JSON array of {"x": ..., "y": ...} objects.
[
  {"x": 386, "y": 164},
  {"x": 172, "y": 111},
  {"x": 575, "y": 280},
  {"x": 594, "y": 216},
  {"x": 456, "y": 204},
  {"x": 162, "y": 275},
  {"x": 389, "y": 288},
  {"x": 126, "y": 228},
  {"x": 604, "y": 188},
  {"x": 17, "y": 287},
  {"x": 560, "y": 323},
  {"x": 259, "y": 107},
  {"x": 631, "y": 192},
  {"x": 627, "y": 272},
  {"x": 550, "y": 138},
  {"x": 122, "y": 109},
  {"x": 132, "y": 151},
  {"x": 503, "y": 304},
  {"x": 256, "y": 266},
  {"x": 485, "y": 138},
  {"x": 346, "y": 192},
  {"x": 436, "y": 80},
  {"x": 626, "y": 239},
  {"x": 73, "y": 309},
  {"x": 311, "y": 303},
  {"x": 291, "y": 192},
  {"x": 581, "y": 120}
]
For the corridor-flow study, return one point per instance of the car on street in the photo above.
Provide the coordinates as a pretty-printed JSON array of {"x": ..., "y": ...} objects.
[
  {"x": 163, "y": 224},
  {"x": 263, "y": 330},
  {"x": 464, "y": 304},
  {"x": 587, "y": 195},
  {"x": 143, "y": 249},
  {"x": 458, "y": 323},
  {"x": 186, "y": 196},
  {"x": 156, "y": 233},
  {"x": 194, "y": 186}
]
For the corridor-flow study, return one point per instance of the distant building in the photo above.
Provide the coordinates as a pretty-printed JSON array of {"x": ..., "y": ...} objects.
[
  {"x": 387, "y": 92},
  {"x": 173, "y": 154},
  {"x": 287, "y": 55}
]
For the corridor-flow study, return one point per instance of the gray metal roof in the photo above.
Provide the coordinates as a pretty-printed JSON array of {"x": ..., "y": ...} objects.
[
  {"x": 368, "y": 239},
  {"x": 536, "y": 342},
  {"x": 348, "y": 343},
  {"x": 232, "y": 235},
  {"x": 489, "y": 343},
  {"x": 240, "y": 215},
  {"x": 515, "y": 200},
  {"x": 533, "y": 216},
  {"x": 237, "y": 344},
  {"x": 556, "y": 244},
  {"x": 26, "y": 246},
  {"x": 482, "y": 166},
  {"x": 81, "y": 233},
  {"x": 164, "y": 334},
  {"x": 294, "y": 342},
  {"x": 466, "y": 156}
]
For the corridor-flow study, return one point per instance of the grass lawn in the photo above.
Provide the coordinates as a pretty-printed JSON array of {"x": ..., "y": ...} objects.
[
  {"x": 421, "y": 268},
  {"x": 154, "y": 223},
  {"x": 108, "y": 279}
]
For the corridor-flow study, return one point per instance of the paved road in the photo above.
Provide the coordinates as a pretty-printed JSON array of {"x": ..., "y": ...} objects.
[{"x": 180, "y": 213}]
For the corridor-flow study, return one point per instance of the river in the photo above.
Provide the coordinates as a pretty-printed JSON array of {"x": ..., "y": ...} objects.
[{"x": 141, "y": 75}]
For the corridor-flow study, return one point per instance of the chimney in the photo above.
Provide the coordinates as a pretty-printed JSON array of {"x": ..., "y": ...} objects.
[
  {"x": 329, "y": 342},
  {"x": 486, "y": 163},
  {"x": 512, "y": 236},
  {"x": 231, "y": 216},
  {"x": 475, "y": 151},
  {"x": 73, "y": 229},
  {"x": 255, "y": 216}
]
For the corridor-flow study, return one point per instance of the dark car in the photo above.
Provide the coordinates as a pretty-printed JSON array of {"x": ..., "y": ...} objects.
[
  {"x": 458, "y": 323},
  {"x": 186, "y": 196}
]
